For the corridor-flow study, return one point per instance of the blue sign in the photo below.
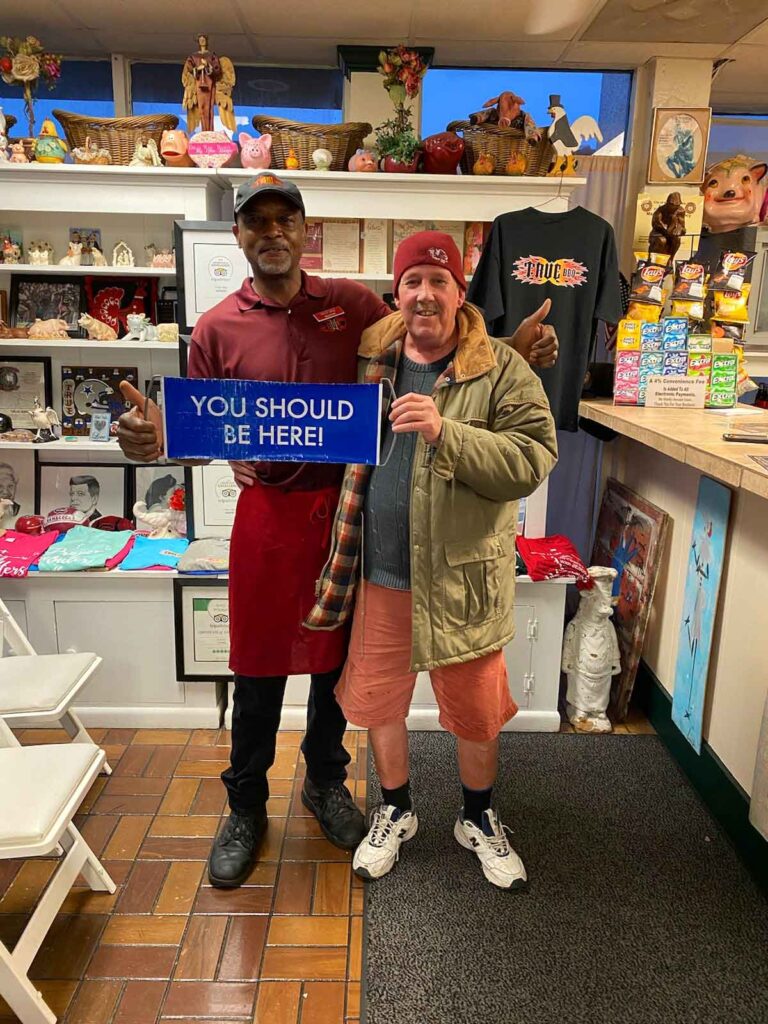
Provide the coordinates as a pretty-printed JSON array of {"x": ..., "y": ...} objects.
[{"x": 253, "y": 420}]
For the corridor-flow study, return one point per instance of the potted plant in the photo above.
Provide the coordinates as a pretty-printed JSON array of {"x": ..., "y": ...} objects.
[
  {"x": 24, "y": 63},
  {"x": 396, "y": 139}
]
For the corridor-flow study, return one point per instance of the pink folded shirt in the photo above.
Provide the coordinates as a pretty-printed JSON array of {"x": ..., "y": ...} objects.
[{"x": 18, "y": 551}]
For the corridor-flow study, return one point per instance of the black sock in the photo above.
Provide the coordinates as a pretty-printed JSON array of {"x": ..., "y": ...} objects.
[
  {"x": 400, "y": 797},
  {"x": 475, "y": 802}
]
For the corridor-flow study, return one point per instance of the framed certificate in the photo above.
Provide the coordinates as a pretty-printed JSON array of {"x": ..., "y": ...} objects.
[
  {"x": 22, "y": 380},
  {"x": 201, "y": 617},
  {"x": 209, "y": 266},
  {"x": 211, "y": 494}
]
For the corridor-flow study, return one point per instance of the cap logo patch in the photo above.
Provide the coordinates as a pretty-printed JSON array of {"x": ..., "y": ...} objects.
[
  {"x": 266, "y": 179},
  {"x": 440, "y": 255}
]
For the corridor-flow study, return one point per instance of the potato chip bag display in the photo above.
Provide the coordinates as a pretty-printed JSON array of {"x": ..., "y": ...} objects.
[
  {"x": 660, "y": 259},
  {"x": 689, "y": 281},
  {"x": 644, "y": 311},
  {"x": 732, "y": 306},
  {"x": 744, "y": 383},
  {"x": 647, "y": 282},
  {"x": 733, "y": 332},
  {"x": 692, "y": 309},
  {"x": 731, "y": 270}
]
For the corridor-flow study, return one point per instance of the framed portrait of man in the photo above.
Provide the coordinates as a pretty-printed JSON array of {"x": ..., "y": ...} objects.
[
  {"x": 90, "y": 488},
  {"x": 17, "y": 486}
]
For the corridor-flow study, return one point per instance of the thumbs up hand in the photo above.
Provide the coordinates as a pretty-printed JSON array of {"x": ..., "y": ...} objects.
[
  {"x": 536, "y": 341},
  {"x": 140, "y": 438}
]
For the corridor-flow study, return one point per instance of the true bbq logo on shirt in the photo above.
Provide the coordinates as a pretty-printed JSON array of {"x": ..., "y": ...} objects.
[{"x": 538, "y": 270}]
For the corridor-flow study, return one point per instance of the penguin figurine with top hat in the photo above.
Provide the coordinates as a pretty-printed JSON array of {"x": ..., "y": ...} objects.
[{"x": 566, "y": 137}]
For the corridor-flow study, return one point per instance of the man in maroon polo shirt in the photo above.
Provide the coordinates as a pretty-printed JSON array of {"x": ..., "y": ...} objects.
[{"x": 281, "y": 325}]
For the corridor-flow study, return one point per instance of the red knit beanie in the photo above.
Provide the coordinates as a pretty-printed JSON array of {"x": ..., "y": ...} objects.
[{"x": 431, "y": 247}]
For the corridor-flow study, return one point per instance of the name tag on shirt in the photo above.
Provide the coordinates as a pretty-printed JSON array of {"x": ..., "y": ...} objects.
[{"x": 329, "y": 314}]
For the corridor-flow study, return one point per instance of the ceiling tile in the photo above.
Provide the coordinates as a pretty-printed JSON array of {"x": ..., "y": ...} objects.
[
  {"x": 336, "y": 19},
  {"x": 676, "y": 21},
  {"x": 492, "y": 54},
  {"x": 186, "y": 17}
]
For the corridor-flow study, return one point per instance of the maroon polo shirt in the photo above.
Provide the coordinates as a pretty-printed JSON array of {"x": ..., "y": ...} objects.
[{"x": 246, "y": 337}]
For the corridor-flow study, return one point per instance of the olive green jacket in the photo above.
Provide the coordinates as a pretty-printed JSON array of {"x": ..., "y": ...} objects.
[{"x": 497, "y": 445}]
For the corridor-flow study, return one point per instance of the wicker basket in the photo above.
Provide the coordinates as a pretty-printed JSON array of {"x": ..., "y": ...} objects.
[
  {"x": 117, "y": 134},
  {"x": 340, "y": 139},
  {"x": 501, "y": 143}
]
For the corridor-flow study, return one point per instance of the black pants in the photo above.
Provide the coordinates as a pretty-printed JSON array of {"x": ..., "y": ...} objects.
[{"x": 256, "y": 708}]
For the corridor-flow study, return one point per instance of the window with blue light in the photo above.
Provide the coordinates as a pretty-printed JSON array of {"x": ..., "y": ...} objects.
[
  {"x": 311, "y": 95},
  {"x": 85, "y": 87},
  {"x": 452, "y": 94},
  {"x": 735, "y": 134}
]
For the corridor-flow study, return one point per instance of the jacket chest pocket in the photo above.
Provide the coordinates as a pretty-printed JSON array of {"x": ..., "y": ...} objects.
[{"x": 472, "y": 582}]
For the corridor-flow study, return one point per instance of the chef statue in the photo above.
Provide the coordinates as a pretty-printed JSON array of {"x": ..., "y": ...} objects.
[
  {"x": 591, "y": 655},
  {"x": 207, "y": 80}
]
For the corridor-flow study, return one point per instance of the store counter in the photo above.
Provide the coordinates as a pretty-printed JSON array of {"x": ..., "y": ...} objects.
[{"x": 661, "y": 454}]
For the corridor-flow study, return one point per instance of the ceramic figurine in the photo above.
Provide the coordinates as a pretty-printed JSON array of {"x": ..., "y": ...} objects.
[
  {"x": 3, "y": 139},
  {"x": 140, "y": 328},
  {"x": 566, "y": 137},
  {"x": 11, "y": 251},
  {"x": 516, "y": 164},
  {"x": 149, "y": 252},
  {"x": 164, "y": 259},
  {"x": 97, "y": 257},
  {"x": 591, "y": 655},
  {"x": 212, "y": 149},
  {"x": 363, "y": 160},
  {"x": 40, "y": 254},
  {"x": 122, "y": 255},
  {"x": 165, "y": 522},
  {"x": 49, "y": 148},
  {"x": 485, "y": 164},
  {"x": 168, "y": 333},
  {"x": 668, "y": 226},
  {"x": 291, "y": 161},
  {"x": 506, "y": 110},
  {"x": 45, "y": 420},
  {"x": 442, "y": 153},
  {"x": 322, "y": 159},
  {"x": 49, "y": 330},
  {"x": 97, "y": 330},
  {"x": 11, "y": 332},
  {"x": 145, "y": 154},
  {"x": 74, "y": 255},
  {"x": 255, "y": 153},
  {"x": 90, "y": 153},
  {"x": 18, "y": 156},
  {"x": 208, "y": 80},
  {"x": 174, "y": 148}
]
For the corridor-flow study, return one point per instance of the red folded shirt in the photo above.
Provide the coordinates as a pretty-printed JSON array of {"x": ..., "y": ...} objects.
[
  {"x": 18, "y": 551},
  {"x": 551, "y": 558}
]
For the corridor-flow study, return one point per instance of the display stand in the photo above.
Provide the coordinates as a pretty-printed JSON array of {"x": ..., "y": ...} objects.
[{"x": 128, "y": 618}]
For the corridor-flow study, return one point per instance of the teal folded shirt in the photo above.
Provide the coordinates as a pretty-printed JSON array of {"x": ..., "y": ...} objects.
[
  {"x": 82, "y": 547},
  {"x": 154, "y": 553}
]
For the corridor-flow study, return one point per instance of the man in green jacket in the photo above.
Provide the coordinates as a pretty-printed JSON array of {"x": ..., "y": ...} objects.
[{"x": 424, "y": 547}]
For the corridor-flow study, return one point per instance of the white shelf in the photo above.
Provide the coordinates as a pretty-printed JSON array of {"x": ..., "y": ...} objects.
[
  {"x": 75, "y": 444},
  {"x": 33, "y": 268},
  {"x": 113, "y": 346}
]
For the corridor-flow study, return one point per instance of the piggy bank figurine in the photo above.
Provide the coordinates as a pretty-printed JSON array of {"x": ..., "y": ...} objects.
[
  {"x": 255, "y": 153},
  {"x": 174, "y": 146},
  {"x": 442, "y": 153},
  {"x": 363, "y": 160},
  {"x": 734, "y": 192}
]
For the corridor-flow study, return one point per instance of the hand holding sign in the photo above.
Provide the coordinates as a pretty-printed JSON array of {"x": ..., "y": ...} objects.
[
  {"x": 141, "y": 439},
  {"x": 416, "y": 412},
  {"x": 535, "y": 341}
]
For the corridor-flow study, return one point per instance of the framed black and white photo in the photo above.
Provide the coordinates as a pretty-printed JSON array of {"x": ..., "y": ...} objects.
[
  {"x": 92, "y": 488},
  {"x": 22, "y": 380},
  {"x": 154, "y": 485},
  {"x": 201, "y": 619},
  {"x": 46, "y": 297},
  {"x": 211, "y": 497},
  {"x": 209, "y": 266},
  {"x": 17, "y": 486}
]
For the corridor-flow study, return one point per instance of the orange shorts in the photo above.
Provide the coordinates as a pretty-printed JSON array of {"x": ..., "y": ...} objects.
[{"x": 377, "y": 683}]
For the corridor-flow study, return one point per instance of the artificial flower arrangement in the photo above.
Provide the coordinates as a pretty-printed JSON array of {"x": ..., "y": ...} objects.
[
  {"x": 396, "y": 139},
  {"x": 24, "y": 63}
]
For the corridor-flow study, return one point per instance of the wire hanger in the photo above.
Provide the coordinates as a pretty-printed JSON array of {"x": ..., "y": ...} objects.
[{"x": 551, "y": 199}]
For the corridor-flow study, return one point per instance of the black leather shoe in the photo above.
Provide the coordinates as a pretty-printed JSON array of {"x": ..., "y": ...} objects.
[
  {"x": 340, "y": 818},
  {"x": 235, "y": 849}
]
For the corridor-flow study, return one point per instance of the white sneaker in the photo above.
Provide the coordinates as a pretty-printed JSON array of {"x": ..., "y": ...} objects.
[
  {"x": 501, "y": 865},
  {"x": 379, "y": 851}
]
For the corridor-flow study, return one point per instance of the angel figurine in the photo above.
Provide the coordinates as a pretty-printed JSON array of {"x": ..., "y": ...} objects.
[
  {"x": 208, "y": 80},
  {"x": 46, "y": 422}
]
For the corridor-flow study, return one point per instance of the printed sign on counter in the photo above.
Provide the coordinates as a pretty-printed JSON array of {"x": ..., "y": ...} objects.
[{"x": 676, "y": 392}]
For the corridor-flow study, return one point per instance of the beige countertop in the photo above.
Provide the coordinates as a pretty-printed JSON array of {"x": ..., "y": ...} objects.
[{"x": 691, "y": 436}]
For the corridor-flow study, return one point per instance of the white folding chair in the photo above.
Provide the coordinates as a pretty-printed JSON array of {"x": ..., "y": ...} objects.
[
  {"x": 41, "y": 687},
  {"x": 41, "y": 788}
]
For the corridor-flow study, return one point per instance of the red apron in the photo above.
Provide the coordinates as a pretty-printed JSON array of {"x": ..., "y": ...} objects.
[{"x": 280, "y": 543}]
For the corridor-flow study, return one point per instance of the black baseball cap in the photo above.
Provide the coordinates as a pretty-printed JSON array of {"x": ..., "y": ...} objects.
[{"x": 264, "y": 184}]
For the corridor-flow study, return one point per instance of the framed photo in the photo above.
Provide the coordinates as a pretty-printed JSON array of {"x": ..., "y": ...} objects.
[
  {"x": 209, "y": 266},
  {"x": 17, "y": 485},
  {"x": 201, "y": 619},
  {"x": 111, "y": 299},
  {"x": 212, "y": 495},
  {"x": 86, "y": 387},
  {"x": 46, "y": 297},
  {"x": 679, "y": 145},
  {"x": 630, "y": 539},
  {"x": 154, "y": 485},
  {"x": 94, "y": 488},
  {"x": 22, "y": 380}
]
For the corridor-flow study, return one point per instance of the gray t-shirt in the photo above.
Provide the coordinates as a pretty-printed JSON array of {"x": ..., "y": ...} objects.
[{"x": 386, "y": 513}]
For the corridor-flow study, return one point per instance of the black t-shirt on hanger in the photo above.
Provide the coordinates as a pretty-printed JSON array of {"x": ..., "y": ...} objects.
[{"x": 569, "y": 257}]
